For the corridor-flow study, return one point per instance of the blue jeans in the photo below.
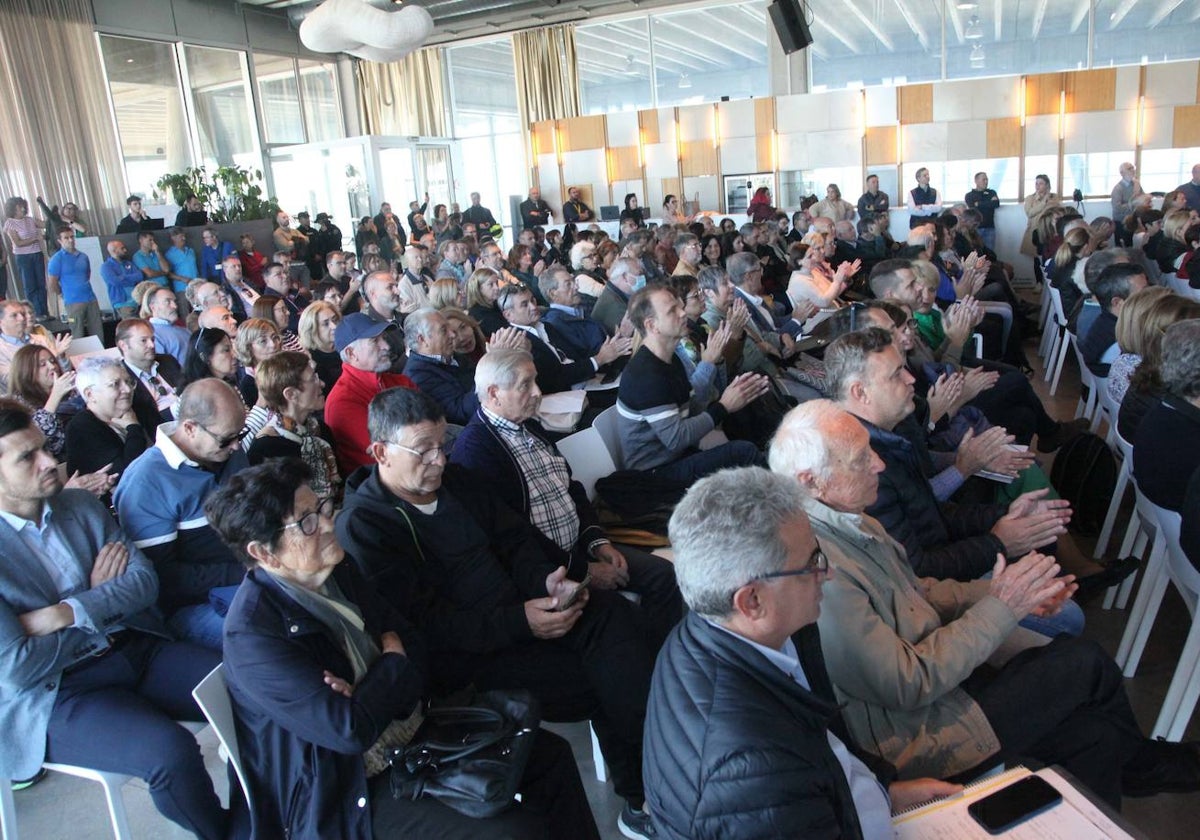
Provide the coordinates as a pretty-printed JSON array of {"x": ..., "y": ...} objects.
[
  {"x": 988, "y": 235},
  {"x": 204, "y": 624},
  {"x": 694, "y": 466},
  {"x": 32, "y": 268}
]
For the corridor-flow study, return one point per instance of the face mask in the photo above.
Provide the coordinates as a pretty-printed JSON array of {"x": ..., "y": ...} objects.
[{"x": 639, "y": 282}]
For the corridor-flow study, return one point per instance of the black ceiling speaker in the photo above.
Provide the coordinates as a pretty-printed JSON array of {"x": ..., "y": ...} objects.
[{"x": 790, "y": 26}]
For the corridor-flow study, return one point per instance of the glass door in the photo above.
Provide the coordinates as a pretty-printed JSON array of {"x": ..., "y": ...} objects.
[{"x": 434, "y": 175}]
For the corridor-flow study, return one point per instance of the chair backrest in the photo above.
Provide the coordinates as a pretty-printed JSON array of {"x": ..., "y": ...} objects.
[
  {"x": 606, "y": 425},
  {"x": 87, "y": 344},
  {"x": 588, "y": 456},
  {"x": 1086, "y": 377},
  {"x": 1060, "y": 317},
  {"x": 212, "y": 696},
  {"x": 1183, "y": 573}
]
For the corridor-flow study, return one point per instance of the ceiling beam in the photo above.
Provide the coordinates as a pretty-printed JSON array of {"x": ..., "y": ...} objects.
[
  {"x": 956, "y": 22},
  {"x": 913, "y": 23},
  {"x": 1039, "y": 17},
  {"x": 871, "y": 27},
  {"x": 1163, "y": 12},
  {"x": 998, "y": 16},
  {"x": 1081, "y": 13},
  {"x": 1125, "y": 7},
  {"x": 850, "y": 45}
]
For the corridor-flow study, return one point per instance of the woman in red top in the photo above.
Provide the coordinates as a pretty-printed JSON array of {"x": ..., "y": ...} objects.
[
  {"x": 760, "y": 209},
  {"x": 253, "y": 262}
]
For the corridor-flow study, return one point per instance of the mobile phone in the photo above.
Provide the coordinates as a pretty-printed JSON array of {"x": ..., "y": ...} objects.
[
  {"x": 1011, "y": 806},
  {"x": 573, "y": 595}
]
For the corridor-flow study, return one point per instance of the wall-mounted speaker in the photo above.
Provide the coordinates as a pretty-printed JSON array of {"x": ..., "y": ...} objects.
[{"x": 790, "y": 25}]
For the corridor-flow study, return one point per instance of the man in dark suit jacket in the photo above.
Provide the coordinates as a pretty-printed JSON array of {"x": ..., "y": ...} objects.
[
  {"x": 557, "y": 371},
  {"x": 431, "y": 364},
  {"x": 155, "y": 375},
  {"x": 91, "y": 676},
  {"x": 583, "y": 336}
]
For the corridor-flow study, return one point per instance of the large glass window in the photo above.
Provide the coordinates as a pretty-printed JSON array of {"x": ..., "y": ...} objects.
[
  {"x": 483, "y": 89},
  {"x": 1165, "y": 169},
  {"x": 1094, "y": 173},
  {"x": 279, "y": 98},
  {"x": 864, "y": 42},
  {"x": 1010, "y": 37},
  {"x": 704, "y": 54},
  {"x": 144, "y": 82},
  {"x": 1133, "y": 33},
  {"x": 220, "y": 88},
  {"x": 614, "y": 66},
  {"x": 322, "y": 111}
]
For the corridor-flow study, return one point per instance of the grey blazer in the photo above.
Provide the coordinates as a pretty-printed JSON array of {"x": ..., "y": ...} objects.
[{"x": 31, "y": 666}]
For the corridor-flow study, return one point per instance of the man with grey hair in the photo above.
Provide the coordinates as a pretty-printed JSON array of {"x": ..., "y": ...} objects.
[
  {"x": 218, "y": 317},
  {"x": 160, "y": 502},
  {"x": 362, "y": 342},
  {"x": 382, "y": 293},
  {"x": 905, "y": 653},
  {"x": 1166, "y": 449},
  {"x": 169, "y": 336},
  {"x": 625, "y": 277},
  {"x": 743, "y": 736},
  {"x": 1125, "y": 200},
  {"x": 687, "y": 248},
  {"x": 505, "y": 442},
  {"x": 582, "y": 336}
]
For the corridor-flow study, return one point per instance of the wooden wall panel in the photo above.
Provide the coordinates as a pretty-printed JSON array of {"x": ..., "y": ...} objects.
[
  {"x": 650, "y": 130},
  {"x": 579, "y": 133},
  {"x": 764, "y": 116},
  {"x": 1042, "y": 93},
  {"x": 670, "y": 186},
  {"x": 881, "y": 145},
  {"x": 764, "y": 153},
  {"x": 1187, "y": 126},
  {"x": 543, "y": 137},
  {"x": 699, "y": 158},
  {"x": 916, "y": 104},
  {"x": 1198, "y": 85},
  {"x": 1004, "y": 137},
  {"x": 1091, "y": 90},
  {"x": 624, "y": 163}
]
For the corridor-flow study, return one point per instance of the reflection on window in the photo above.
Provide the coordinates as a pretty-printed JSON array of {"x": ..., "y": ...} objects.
[
  {"x": 1095, "y": 173},
  {"x": 997, "y": 38},
  {"x": 795, "y": 186},
  {"x": 1165, "y": 169},
  {"x": 144, "y": 83},
  {"x": 614, "y": 66},
  {"x": 1131, "y": 33},
  {"x": 1003, "y": 176},
  {"x": 704, "y": 54},
  {"x": 322, "y": 113},
  {"x": 483, "y": 88},
  {"x": 221, "y": 101},
  {"x": 1036, "y": 165},
  {"x": 278, "y": 98},
  {"x": 860, "y": 42}
]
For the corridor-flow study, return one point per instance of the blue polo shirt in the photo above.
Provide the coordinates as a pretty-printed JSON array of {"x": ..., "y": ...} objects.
[
  {"x": 120, "y": 276},
  {"x": 149, "y": 262},
  {"x": 74, "y": 273},
  {"x": 211, "y": 259},
  {"x": 182, "y": 262}
]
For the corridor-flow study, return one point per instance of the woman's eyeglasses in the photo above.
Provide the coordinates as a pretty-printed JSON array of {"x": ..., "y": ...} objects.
[{"x": 310, "y": 523}]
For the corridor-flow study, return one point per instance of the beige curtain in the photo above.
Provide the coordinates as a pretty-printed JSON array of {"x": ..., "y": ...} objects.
[
  {"x": 56, "y": 132},
  {"x": 547, "y": 78},
  {"x": 403, "y": 97}
]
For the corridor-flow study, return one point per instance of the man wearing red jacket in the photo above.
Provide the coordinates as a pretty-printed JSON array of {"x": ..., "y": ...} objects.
[{"x": 366, "y": 359}]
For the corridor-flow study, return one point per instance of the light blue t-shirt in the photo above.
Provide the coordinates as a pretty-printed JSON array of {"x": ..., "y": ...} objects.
[
  {"x": 74, "y": 273},
  {"x": 182, "y": 262}
]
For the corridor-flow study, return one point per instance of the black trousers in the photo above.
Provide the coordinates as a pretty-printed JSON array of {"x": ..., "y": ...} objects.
[
  {"x": 1013, "y": 404},
  {"x": 117, "y": 713},
  {"x": 553, "y": 805},
  {"x": 1064, "y": 703},
  {"x": 653, "y": 579},
  {"x": 598, "y": 671}
]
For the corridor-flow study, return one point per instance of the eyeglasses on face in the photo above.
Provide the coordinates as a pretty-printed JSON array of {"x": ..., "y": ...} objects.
[
  {"x": 817, "y": 563},
  {"x": 310, "y": 523}
]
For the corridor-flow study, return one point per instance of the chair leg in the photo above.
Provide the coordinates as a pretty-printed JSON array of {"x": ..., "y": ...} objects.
[
  {"x": 1064, "y": 346},
  {"x": 116, "y": 806},
  {"x": 598, "y": 757},
  {"x": 8, "y": 811},
  {"x": 1056, "y": 338},
  {"x": 1187, "y": 705},
  {"x": 1181, "y": 683},
  {"x": 1114, "y": 507},
  {"x": 1145, "y": 609}
]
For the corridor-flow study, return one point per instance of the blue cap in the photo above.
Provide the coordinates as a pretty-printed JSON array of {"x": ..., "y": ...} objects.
[{"x": 356, "y": 326}]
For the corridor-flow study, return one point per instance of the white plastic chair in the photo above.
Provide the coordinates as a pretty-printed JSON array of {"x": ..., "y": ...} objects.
[
  {"x": 588, "y": 457},
  {"x": 1088, "y": 383},
  {"x": 1150, "y": 595},
  {"x": 84, "y": 345},
  {"x": 1124, "y": 451},
  {"x": 1060, "y": 343},
  {"x": 212, "y": 696},
  {"x": 606, "y": 424},
  {"x": 1181, "y": 697},
  {"x": 1111, "y": 410}
]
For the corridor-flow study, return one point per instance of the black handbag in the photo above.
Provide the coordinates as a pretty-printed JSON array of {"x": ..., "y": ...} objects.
[{"x": 469, "y": 758}]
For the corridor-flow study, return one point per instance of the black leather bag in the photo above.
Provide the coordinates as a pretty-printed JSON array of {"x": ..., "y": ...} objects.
[{"x": 469, "y": 758}]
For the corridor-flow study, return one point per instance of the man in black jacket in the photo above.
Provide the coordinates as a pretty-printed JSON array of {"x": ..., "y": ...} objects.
[
  {"x": 743, "y": 736},
  {"x": 497, "y": 608},
  {"x": 535, "y": 211}
]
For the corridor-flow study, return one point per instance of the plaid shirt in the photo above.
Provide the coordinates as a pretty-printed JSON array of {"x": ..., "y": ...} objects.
[{"x": 551, "y": 508}]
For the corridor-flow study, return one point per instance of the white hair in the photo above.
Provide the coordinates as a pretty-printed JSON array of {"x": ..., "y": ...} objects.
[
  {"x": 802, "y": 442},
  {"x": 92, "y": 369},
  {"x": 499, "y": 368}
]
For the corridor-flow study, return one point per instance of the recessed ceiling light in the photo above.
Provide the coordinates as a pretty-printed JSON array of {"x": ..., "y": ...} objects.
[{"x": 974, "y": 30}]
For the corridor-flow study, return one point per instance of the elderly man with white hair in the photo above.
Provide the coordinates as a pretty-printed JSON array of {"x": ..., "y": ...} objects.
[
  {"x": 905, "y": 654},
  {"x": 743, "y": 734},
  {"x": 106, "y": 433},
  {"x": 505, "y": 442}
]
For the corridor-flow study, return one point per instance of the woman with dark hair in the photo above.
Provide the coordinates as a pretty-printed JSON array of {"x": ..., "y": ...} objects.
[
  {"x": 440, "y": 221},
  {"x": 25, "y": 236},
  {"x": 728, "y": 225},
  {"x": 521, "y": 265},
  {"x": 317, "y": 707},
  {"x": 274, "y": 309},
  {"x": 1036, "y": 204},
  {"x": 365, "y": 235},
  {"x": 210, "y": 354},
  {"x": 711, "y": 252},
  {"x": 632, "y": 211},
  {"x": 36, "y": 381},
  {"x": 554, "y": 248},
  {"x": 761, "y": 209}
]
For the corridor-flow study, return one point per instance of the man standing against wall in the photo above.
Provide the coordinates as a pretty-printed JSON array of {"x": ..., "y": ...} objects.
[
  {"x": 70, "y": 274},
  {"x": 985, "y": 201}
]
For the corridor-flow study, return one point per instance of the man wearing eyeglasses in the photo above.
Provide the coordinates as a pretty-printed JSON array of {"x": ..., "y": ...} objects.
[
  {"x": 155, "y": 375},
  {"x": 743, "y": 736},
  {"x": 905, "y": 654},
  {"x": 160, "y": 502}
]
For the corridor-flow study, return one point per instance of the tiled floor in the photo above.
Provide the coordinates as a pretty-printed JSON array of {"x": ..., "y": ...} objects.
[{"x": 64, "y": 807}]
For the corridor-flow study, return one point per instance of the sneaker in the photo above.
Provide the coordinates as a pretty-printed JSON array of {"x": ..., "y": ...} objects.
[
  {"x": 22, "y": 784},
  {"x": 635, "y": 824}
]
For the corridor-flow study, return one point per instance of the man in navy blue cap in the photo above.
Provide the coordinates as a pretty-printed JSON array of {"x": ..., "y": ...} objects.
[{"x": 366, "y": 359}]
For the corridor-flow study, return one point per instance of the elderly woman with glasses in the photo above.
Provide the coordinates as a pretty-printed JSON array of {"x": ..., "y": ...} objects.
[
  {"x": 324, "y": 677},
  {"x": 106, "y": 432}
]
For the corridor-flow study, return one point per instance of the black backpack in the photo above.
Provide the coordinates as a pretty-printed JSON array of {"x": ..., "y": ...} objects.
[{"x": 1085, "y": 474}]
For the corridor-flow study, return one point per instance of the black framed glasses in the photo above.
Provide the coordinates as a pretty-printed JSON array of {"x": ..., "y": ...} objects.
[
  {"x": 227, "y": 440},
  {"x": 310, "y": 523},
  {"x": 817, "y": 563}
]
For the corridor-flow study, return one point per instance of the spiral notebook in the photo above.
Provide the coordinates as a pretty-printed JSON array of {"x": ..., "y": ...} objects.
[{"x": 1075, "y": 818}]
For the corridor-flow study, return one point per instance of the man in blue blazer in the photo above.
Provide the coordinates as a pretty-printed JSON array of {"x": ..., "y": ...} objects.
[{"x": 88, "y": 674}]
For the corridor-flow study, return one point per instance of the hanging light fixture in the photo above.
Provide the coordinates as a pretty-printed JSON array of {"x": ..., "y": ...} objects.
[
  {"x": 974, "y": 30},
  {"x": 966, "y": 6},
  {"x": 978, "y": 57}
]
